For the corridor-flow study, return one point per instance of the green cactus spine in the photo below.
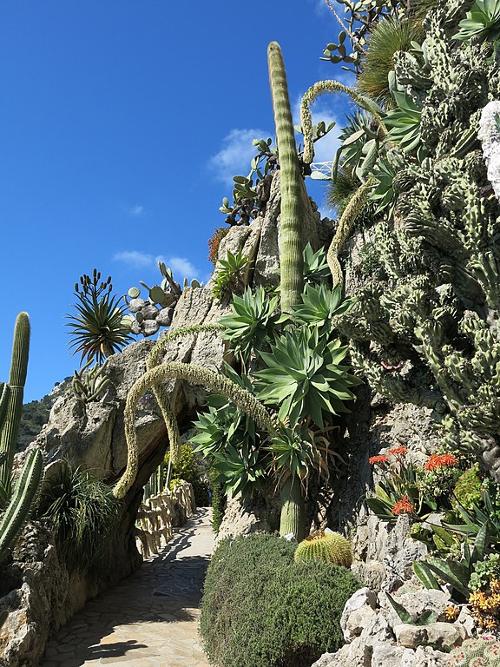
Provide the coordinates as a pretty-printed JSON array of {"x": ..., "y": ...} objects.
[
  {"x": 21, "y": 501},
  {"x": 325, "y": 546},
  {"x": 13, "y": 410},
  {"x": 291, "y": 185}
]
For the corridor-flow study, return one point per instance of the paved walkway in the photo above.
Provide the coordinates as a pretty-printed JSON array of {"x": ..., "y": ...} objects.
[{"x": 149, "y": 619}]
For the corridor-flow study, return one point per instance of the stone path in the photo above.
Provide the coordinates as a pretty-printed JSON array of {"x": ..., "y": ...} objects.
[{"x": 149, "y": 619}]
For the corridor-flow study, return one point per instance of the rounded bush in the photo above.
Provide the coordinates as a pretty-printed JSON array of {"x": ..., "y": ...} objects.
[{"x": 261, "y": 609}]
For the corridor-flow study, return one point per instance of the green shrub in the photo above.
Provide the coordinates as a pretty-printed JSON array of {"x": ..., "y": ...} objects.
[
  {"x": 82, "y": 511},
  {"x": 468, "y": 488},
  {"x": 188, "y": 468},
  {"x": 260, "y": 609}
]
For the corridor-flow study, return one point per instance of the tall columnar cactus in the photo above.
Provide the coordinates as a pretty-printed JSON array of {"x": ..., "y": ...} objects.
[
  {"x": 291, "y": 184},
  {"x": 14, "y": 407},
  {"x": 21, "y": 501},
  {"x": 325, "y": 546},
  {"x": 16, "y": 503}
]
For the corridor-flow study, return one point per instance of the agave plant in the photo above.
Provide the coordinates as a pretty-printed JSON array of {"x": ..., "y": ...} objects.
[
  {"x": 89, "y": 383},
  {"x": 230, "y": 274},
  {"x": 251, "y": 320},
  {"x": 320, "y": 305},
  {"x": 404, "y": 122},
  {"x": 99, "y": 328},
  {"x": 482, "y": 21},
  {"x": 316, "y": 268},
  {"x": 305, "y": 376}
]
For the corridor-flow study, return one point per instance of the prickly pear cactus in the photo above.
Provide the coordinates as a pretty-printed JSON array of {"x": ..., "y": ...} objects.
[
  {"x": 476, "y": 652},
  {"x": 325, "y": 546},
  {"x": 426, "y": 325}
]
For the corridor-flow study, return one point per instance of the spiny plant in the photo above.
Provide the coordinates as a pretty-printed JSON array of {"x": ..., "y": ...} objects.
[
  {"x": 16, "y": 498},
  {"x": 214, "y": 243},
  {"x": 98, "y": 328},
  {"x": 484, "y": 651},
  {"x": 291, "y": 245},
  {"x": 89, "y": 383},
  {"x": 82, "y": 511},
  {"x": 326, "y": 546},
  {"x": 390, "y": 36}
]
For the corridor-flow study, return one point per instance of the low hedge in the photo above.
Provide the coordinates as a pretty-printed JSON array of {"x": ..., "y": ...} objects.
[{"x": 260, "y": 609}]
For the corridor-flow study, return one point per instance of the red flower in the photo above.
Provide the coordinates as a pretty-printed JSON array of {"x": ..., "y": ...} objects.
[
  {"x": 381, "y": 458},
  {"x": 398, "y": 451},
  {"x": 440, "y": 461},
  {"x": 403, "y": 506}
]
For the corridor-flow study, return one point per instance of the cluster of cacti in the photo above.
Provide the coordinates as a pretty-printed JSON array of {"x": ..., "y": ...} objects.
[
  {"x": 484, "y": 651},
  {"x": 425, "y": 327},
  {"x": 157, "y": 310},
  {"x": 16, "y": 497},
  {"x": 90, "y": 382},
  {"x": 326, "y": 546}
]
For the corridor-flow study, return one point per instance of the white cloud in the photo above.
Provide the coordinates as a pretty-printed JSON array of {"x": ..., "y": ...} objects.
[
  {"x": 181, "y": 267},
  {"x": 234, "y": 157},
  {"x": 136, "y": 210},
  {"x": 134, "y": 258}
]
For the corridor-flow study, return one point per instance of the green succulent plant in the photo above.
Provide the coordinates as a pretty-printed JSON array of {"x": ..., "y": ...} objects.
[
  {"x": 17, "y": 495},
  {"x": 316, "y": 269},
  {"x": 230, "y": 275},
  {"x": 404, "y": 122},
  {"x": 484, "y": 651},
  {"x": 252, "y": 319},
  {"x": 325, "y": 546},
  {"x": 319, "y": 306},
  {"x": 305, "y": 377},
  {"x": 390, "y": 36},
  {"x": 482, "y": 21},
  {"x": 98, "y": 328},
  {"x": 89, "y": 383}
]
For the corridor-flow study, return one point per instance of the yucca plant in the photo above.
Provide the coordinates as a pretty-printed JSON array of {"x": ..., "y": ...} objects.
[
  {"x": 482, "y": 21},
  {"x": 99, "y": 328},
  {"x": 82, "y": 511},
  {"x": 389, "y": 36}
]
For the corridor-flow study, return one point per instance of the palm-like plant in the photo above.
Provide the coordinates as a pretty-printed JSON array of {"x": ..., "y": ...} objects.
[{"x": 99, "y": 328}]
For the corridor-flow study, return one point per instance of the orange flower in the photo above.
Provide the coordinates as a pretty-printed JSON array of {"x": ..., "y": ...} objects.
[
  {"x": 403, "y": 506},
  {"x": 381, "y": 458},
  {"x": 440, "y": 461},
  {"x": 398, "y": 451}
]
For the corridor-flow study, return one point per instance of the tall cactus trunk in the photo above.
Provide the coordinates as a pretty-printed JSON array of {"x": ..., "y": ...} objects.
[
  {"x": 293, "y": 509},
  {"x": 291, "y": 185},
  {"x": 12, "y": 418}
]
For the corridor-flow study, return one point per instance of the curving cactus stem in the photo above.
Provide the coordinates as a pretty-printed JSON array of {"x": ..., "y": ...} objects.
[
  {"x": 291, "y": 185},
  {"x": 13, "y": 410},
  {"x": 21, "y": 501}
]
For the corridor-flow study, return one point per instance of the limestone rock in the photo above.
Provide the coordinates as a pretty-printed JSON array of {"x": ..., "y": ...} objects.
[
  {"x": 242, "y": 518},
  {"x": 489, "y": 135},
  {"x": 357, "y": 611}
]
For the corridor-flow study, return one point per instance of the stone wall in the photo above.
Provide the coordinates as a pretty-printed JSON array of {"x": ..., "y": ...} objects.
[{"x": 159, "y": 515}]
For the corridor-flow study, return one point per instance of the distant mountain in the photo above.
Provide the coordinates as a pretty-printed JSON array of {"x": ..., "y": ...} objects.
[{"x": 36, "y": 415}]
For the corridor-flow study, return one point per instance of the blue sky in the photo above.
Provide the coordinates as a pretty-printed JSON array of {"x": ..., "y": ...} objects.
[{"x": 121, "y": 124}]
